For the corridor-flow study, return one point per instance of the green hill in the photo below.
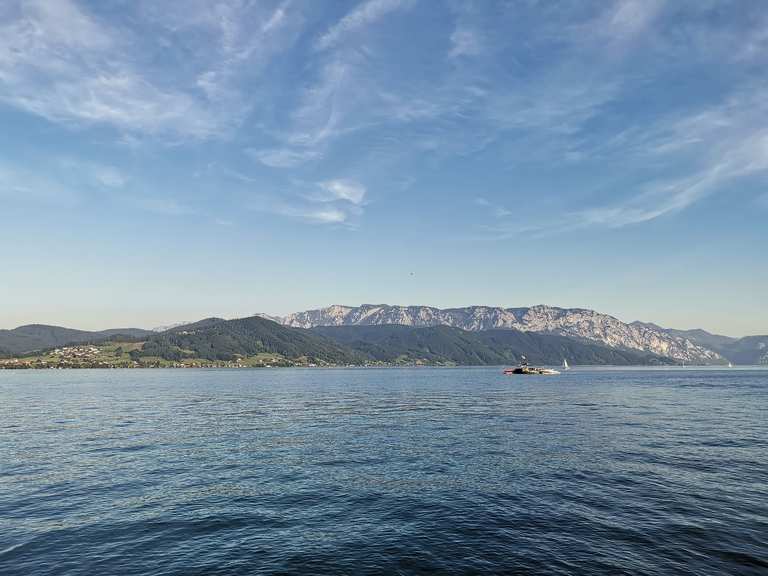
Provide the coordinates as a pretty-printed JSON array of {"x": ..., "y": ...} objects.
[
  {"x": 216, "y": 339},
  {"x": 393, "y": 343},
  {"x": 34, "y": 337}
]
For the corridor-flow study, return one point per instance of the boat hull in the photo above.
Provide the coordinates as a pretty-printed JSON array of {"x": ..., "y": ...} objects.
[{"x": 529, "y": 371}]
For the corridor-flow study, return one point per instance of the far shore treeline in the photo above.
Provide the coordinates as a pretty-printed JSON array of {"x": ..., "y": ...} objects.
[
  {"x": 257, "y": 341},
  {"x": 371, "y": 336}
]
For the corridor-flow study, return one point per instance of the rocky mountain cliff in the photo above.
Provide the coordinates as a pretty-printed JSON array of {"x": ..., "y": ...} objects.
[
  {"x": 573, "y": 322},
  {"x": 749, "y": 350}
]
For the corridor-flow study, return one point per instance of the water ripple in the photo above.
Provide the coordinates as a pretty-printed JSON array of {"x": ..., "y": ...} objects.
[{"x": 465, "y": 471}]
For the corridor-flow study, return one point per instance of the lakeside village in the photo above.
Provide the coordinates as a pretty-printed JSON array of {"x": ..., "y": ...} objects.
[
  {"x": 118, "y": 355},
  {"x": 89, "y": 356}
]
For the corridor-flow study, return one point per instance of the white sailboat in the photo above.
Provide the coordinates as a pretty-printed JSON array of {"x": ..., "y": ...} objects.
[
  {"x": 565, "y": 364},
  {"x": 730, "y": 365}
]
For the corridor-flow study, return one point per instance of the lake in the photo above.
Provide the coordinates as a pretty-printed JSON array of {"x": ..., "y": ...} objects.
[{"x": 383, "y": 471}]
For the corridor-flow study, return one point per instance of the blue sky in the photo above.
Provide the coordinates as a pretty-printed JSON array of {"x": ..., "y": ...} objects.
[{"x": 165, "y": 161}]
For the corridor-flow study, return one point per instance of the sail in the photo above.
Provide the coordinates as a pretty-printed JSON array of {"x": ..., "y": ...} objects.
[{"x": 565, "y": 363}]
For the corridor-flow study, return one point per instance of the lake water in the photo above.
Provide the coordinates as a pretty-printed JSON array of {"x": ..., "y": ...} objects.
[{"x": 386, "y": 471}]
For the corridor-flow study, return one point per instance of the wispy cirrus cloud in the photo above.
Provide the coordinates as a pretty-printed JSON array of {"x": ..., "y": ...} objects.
[
  {"x": 624, "y": 20},
  {"x": 329, "y": 107},
  {"x": 283, "y": 157},
  {"x": 345, "y": 95},
  {"x": 302, "y": 212},
  {"x": 468, "y": 37},
  {"x": 58, "y": 62},
  {"x": 63, "y": 63},
  {"x": 325, "y": 215},
  {"x": 533, "y": 87},
  {"x": 465, "y": 42},
  {"x": 710, "y": 149},
  {"x": 346, "y": 190},
  {"x": 110, "y": 176},
  {"x": 361, "y": 16},
  {"x": 679, "y": 156},
  {"x": 723, "y": 143},
  {"x": 335, "y": 202}
]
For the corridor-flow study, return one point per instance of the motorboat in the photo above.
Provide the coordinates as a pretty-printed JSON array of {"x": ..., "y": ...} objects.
[{"x": 524, "y": 368}]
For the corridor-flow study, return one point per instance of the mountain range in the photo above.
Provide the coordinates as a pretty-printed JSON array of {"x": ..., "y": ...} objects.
[
  {"x": 686, "y": 346},
  {"x": 219, "y": 340},
  {"x": 571, "y": 322},
  {"x": 385, "y": 333}
]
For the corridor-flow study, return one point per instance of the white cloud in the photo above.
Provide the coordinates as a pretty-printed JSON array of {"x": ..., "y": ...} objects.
[
  {"x": 318, "y": 115},
  {"x": 628, "y": 18},
  {"x": 346, "y": 190},
  {"x": 109, "y": 176},
  {"x": 296, "y": 209},
  {"x": 659, "y": 199},
  {"x": 326, "y": 215},
  {"x": 465, "y": 42},
  {"x": 249, "y": 38},
  {"x": 364, "y": 14},
  {"x": 711, "y": 149},
  {"x": 614, "y": 29},
  {"x": 468, "y": 37},
  {"x": 561, "y": 102},
  {"x": 726, "y": 142},
  {"x": 60, "y": 62},
  {"x": 732, "y": 157},
  {"x": 333, "y": 202},
  {"x": 283, "y": 157},
  {"x": 277, "y": 18},
  {"x": 62, "y": 24},
  {"x": 326, "y": 110},
  {"x": 665, "y": 197}
]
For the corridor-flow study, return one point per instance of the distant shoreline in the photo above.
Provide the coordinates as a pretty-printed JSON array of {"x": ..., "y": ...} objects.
[{"x": 718, "y": 367}]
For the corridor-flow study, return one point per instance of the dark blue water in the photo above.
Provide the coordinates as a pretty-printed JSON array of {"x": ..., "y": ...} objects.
[{"x": 413, "y": 471}]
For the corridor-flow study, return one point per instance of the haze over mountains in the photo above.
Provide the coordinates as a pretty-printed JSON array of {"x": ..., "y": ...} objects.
[{"x": 421, "y": 334}]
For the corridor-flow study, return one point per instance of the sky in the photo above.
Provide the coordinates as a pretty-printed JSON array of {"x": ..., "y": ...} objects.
[{"x": 166, "y": 161}]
